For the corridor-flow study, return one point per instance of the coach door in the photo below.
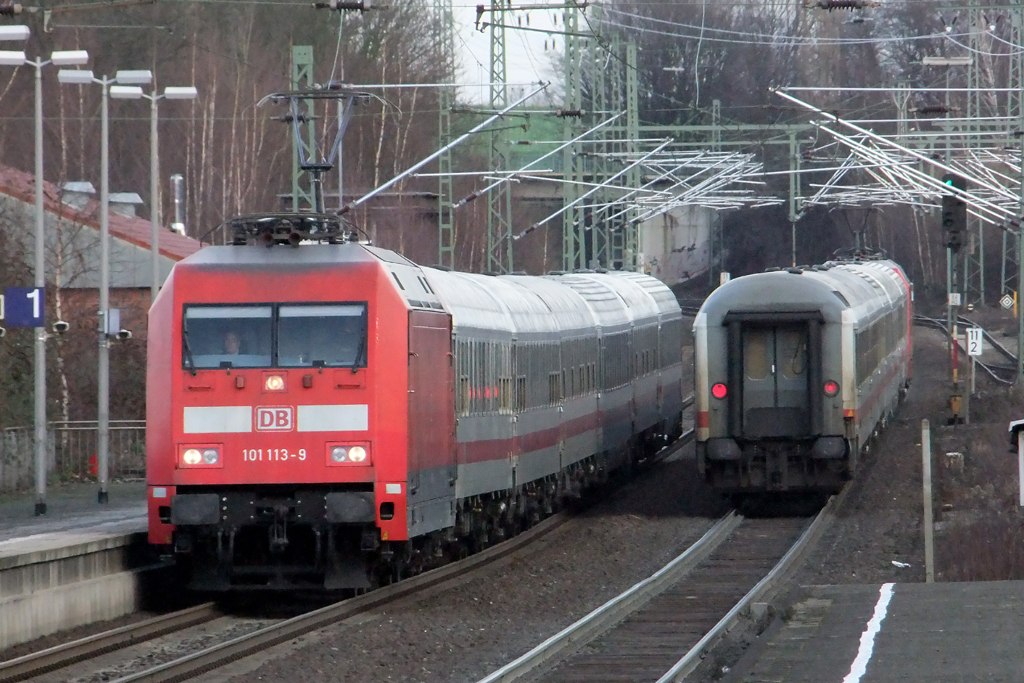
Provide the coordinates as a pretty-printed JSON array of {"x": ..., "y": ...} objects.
[
  {"x": 431, "y": 400},
  {"x": 775, "y": 381}
]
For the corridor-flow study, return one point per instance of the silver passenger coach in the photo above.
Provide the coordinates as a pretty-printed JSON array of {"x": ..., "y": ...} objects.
[{"x": 795, "y": 369}]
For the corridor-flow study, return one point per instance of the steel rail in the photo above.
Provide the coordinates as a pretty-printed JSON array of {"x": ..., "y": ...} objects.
[
  {"x": 224, "y": 653},
  {"x": 765, "y": 588},
  {"x": 987, "y": 367},
  {"x": 89, "y": 647},
  {"x": 1006, "y": 353},
  {"x": 618, "y": 608}
]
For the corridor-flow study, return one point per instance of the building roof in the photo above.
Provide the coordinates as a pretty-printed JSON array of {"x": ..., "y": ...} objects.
[{"x": 134, "y": 230}]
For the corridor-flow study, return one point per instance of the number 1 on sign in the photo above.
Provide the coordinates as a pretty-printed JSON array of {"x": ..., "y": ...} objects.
[{"x": 34, "y": 295}]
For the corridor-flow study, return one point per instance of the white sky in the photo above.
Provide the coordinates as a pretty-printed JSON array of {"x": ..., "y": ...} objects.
[{"x": 527, "y": 61}]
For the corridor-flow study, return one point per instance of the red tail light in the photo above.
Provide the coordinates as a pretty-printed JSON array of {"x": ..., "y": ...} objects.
[
  {"x": 719, "y": 391},
  {"x": 831, "y": 388}
]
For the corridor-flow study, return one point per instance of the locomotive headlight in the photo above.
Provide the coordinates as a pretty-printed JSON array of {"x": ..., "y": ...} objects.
[
  {"x": 831, "y": 388},
  {"x": 200, "y": 455},
  {"x": 348, "y": 454},
  {"x": 719, "y": 391},
  {"x": 273, "y": 383}
]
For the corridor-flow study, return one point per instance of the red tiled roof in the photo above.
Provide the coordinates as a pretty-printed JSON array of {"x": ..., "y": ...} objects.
[{"x": 21, "y": 185}]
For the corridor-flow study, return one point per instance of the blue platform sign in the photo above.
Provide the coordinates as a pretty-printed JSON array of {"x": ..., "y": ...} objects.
[{"x": 23, "y": 306}]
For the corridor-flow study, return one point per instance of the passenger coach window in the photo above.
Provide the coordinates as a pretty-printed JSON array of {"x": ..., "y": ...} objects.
[
  {"x": 756, "y": 353},
  {"x": 793, "y": 348},
  {"x": 332, "y": 336},
  {"x": 227, "y": 336}
]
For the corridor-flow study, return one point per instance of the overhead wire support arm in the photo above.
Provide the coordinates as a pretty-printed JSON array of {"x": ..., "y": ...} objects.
[
  {"x": 972, "y": 199},
  {"x": 922, "y": 180},
  {"x": 465, "y": 200},
  {"x": 665, "y": 143},
  {"x": 454, "y": 143}
]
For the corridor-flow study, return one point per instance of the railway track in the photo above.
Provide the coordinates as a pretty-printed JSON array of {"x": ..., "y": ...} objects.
[
  {"x": 661, "y": 628},
  {"x": 195, "y": 663},
  {"x": 66, "y": 654},
  {"x": 990, "y": 368}
]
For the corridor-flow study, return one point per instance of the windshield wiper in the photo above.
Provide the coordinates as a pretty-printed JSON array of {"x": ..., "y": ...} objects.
[
  {"x": 360, "y": 349},
  {"x": 188, "y": 350}
]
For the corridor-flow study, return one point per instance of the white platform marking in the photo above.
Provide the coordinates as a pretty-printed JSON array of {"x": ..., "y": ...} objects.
[{"x": 867, "y": 639}]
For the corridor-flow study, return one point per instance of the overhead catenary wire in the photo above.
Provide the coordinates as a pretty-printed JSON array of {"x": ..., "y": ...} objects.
[{"x": 454, "y": 143}]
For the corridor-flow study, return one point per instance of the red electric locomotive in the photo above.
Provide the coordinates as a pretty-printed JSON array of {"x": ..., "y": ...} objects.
[{"x": 333, "y": 415}]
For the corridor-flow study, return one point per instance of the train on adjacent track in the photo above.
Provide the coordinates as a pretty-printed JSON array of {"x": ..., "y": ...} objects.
[
  {"x": 795, "y": 369},
  {"x": 333, "y": 416}
]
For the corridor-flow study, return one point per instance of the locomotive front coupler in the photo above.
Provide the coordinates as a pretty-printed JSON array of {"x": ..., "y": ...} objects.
[{"x": 279, "y": 530}]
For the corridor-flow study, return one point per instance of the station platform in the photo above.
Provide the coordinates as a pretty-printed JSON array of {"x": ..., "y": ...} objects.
[
  {"x": 80, "y": 563},
  {"x": 73, "y": 507},
  {"x": 939, "y": 632}
]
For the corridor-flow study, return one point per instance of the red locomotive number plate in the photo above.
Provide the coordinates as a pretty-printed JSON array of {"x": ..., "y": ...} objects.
[{"x": 272, "y": 454}]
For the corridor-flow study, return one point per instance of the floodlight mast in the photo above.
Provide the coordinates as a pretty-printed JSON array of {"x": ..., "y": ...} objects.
[
  {"x": 117, "y": 84},
  {"x": 58, "y": 58},
  {"x": 170, "y": 93}
]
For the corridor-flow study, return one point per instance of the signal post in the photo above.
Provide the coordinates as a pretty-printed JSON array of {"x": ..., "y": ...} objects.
[{"x": 954, "y": 225}]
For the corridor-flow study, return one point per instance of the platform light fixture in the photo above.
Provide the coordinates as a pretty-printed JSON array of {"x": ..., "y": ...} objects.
[
  {"x": 69, "y": 57},
  {"x": 181, "y": 92},
  {"x": 125, "y": 92},
  {"x": 14, "y": 33},
  {"x": 139, "y": 77},
  {"x": 75, "y": 77},
  {"x": 12, "y": 58}
]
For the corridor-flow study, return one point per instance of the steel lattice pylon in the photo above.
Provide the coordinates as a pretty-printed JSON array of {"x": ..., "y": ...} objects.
[
  {"x": 446, "y": 99},
  {"x": 499, "y": 200},
  {"x": 302, "y": 78},
  {"x": 1015, "y": 110},
  {"x": 573, "y": 246}
]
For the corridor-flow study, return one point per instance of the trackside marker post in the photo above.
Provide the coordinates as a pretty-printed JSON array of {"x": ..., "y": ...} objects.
[
  {"x": 929, "y": 526},
  {"x": 1017, "y": 438}
]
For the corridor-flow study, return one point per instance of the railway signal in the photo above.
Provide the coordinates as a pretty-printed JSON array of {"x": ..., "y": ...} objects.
[{"x": 954, "y": 212}]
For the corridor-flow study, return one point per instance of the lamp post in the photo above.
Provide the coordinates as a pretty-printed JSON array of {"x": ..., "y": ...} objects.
[
  {"x": 111, "y": 87},
  {"x": 58, "y": 58},
  {"x": 170, "y": 93}
]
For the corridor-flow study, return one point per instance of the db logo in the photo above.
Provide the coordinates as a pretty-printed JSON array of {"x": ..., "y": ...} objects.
[{"x": 274, "y": 419}]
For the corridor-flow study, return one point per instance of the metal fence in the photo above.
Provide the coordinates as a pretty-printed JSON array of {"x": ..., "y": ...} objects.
[{"x": 71, "y": 452}]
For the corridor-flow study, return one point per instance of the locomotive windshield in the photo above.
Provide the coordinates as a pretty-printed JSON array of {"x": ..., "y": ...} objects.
[
  {"x": 227, "y": 336},
  {"x": 283, "y": 335},
  {"x": 332, "y": 335}
]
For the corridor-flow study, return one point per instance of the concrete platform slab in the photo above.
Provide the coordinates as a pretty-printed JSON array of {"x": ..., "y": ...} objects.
[
  {"x": 74, "y": 507},
  {"x": 80, "y": 563},
  {"x": 944, "y": 632}
]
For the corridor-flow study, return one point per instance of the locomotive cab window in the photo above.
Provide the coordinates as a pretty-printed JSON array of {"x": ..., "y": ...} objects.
[
  {"x": 285, "y": 335},
  {"x": 227, "y": 336},
  {"x": 318, "y": 335}
]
